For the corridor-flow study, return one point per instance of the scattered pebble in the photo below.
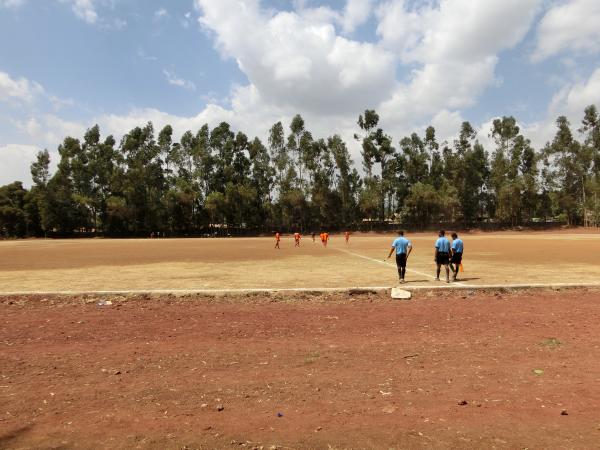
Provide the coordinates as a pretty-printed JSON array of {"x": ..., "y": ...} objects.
[
  {"x": 463, "y": 403},
  {"x": 220, "y": 407},
  {"x": 389, "y": 409},
  {"x": 564, "y": 412}
]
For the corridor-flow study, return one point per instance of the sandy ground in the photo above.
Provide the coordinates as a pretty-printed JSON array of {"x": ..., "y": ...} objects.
[
  {"x": 104, "y": 264},
  {"x": 444, "y": 370}
]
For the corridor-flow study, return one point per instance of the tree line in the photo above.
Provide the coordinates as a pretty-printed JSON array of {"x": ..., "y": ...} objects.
[{"x": 218, "y": 180}]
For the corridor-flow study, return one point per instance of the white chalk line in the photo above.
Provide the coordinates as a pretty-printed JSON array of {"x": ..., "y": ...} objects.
[
  {"x": 199, "y": 291},
  {"x": 393, "y": 265},
  {"x": 453, "y": 286}
]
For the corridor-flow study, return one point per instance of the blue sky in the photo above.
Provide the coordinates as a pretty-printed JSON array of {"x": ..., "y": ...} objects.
[{"x": 68, "y": 64}]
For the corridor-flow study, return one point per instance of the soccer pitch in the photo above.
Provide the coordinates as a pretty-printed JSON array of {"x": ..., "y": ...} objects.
[{"x": 240, "y": 264}]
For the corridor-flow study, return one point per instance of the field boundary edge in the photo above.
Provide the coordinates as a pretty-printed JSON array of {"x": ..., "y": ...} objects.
[{"x": 349, "y": 290}]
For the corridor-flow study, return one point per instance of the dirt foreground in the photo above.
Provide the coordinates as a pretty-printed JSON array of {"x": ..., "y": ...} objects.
[{"x": 444, "y": 370}]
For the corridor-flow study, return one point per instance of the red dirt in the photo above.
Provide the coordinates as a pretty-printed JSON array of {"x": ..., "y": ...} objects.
[{"x": 443, "y": 370}]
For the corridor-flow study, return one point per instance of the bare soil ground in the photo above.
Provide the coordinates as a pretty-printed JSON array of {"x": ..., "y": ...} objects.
[
  {"x": 447, "y": 369},
  {"x": 154, "y": 264}
]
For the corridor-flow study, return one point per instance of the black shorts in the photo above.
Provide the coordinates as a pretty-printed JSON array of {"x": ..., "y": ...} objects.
[
  {"x": 456, "y": 258},
  {"x": 401, "y": 259},
  {"x": 442, "y": 258}
]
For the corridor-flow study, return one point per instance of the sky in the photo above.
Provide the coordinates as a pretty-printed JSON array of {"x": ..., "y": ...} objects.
[{"x": 66, "y": 65}]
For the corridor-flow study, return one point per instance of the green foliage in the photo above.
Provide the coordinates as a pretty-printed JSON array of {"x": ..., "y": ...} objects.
[{"x": 220, "y": 180}]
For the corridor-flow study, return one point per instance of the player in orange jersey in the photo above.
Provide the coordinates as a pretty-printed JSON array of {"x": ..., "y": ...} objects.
[
  {"x": 277, "y": 239},
  {"x": 325, "y": 238},
  {"x": 297, "y": 238},
  {"x": 347, "y": 236}
]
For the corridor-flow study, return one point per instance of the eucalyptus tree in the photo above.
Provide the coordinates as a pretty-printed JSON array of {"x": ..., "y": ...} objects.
[
  {"x": 569, "y": 163},
  {"x": 377, "y": 148}
]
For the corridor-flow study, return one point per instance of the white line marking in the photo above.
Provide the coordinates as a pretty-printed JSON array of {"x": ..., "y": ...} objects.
[
  {"x": 393, "y": 265},
  {"x": 454, "y": 286},
  {"x": 199, "y": 291}
]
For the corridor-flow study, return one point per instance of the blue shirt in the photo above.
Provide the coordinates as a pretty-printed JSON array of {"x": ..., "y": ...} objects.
[
  {"x": 457, "y": 245},
  {"x": 443, "y": 245},
  {"x": 401, "y": 245}
]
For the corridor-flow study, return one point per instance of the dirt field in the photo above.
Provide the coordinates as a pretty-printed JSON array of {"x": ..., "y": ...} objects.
[
  {"x": 144, "y": 264},
  {"x": 444, "y": 370}
]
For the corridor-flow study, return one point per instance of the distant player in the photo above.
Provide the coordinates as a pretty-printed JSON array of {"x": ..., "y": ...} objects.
[
  {"x": 297, "y": 239},
  {"x": 325, "y": 238},
  {"x": 403, "y": 247},
  {"x": 277, "y": 239},
  {"x": 457, "y": 252},
  {"x": 347, "y": 237},
  {"x": 442, "y": 255},
  {"x": 313, "y": 236}
]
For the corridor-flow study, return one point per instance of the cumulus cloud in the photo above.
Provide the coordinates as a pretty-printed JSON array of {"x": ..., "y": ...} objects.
[
  {"x": 356, "y": 13},
  {"x": 49, "y": 130},
  {"x": 570, "y": 26},
  {"x": 454, "y": 47},
  {"x": 18, "y": 90},
  {"x": 15, "y": 160},
  {"x": 308, "y": 61},
  {"x": 570, "y": 101},
  {"x": 297, "y": 61}
]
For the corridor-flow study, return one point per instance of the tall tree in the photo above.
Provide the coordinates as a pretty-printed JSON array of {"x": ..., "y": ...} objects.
[{"x": 570, "y": 164}]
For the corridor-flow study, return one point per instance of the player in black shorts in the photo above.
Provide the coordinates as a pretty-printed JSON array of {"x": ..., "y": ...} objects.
[
  {"x": 442, "y": 255},
  {"x": 457, "y": 253},
  {"x": 402, "y": 247}
]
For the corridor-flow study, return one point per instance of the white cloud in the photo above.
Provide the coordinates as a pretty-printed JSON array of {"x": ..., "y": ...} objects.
[
  {"x": 296, "y": 60},
  {"x": 85, "y": 10},
  {"x": 299, "y": 62},
  {"x": 447, "y": 124},
  {"x": 15, "y": 160},
  {"x": 569, "y": 101},
  {"x": 355, "y": 14},
  {"x": 161, "y": 14},
  {"x": 453, "y": 47},
  {"x": 574, "y": 97},
  {"x": 186, "y": 20},
  {"x": 142, "y": 54},
  {"x": 49, "y": 130},
  {"x": 11, "y": 4},
  {"x": 569, "y": 26},
  {"x": 18, "y": 90},
  {"x": 173, "y": 80},
  {"x": 304, "y": 61}
]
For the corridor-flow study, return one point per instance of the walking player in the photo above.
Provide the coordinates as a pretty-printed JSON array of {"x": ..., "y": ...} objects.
[
  {"x": 297, "y": 239},
  {"x": 347, "y": 236},
  {"x": 442, "y": 255},
  {"x": 403, "y": 247},
  {"x": 277, "y": 239},
  {"x": 457, "y": 252}
]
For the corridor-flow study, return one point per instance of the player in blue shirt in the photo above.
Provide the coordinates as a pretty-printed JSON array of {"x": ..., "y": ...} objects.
[
  {"x": 442, "y": 255},
  {"x": 457, "y": 252},
  {"x": 402, "y": 247}
]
